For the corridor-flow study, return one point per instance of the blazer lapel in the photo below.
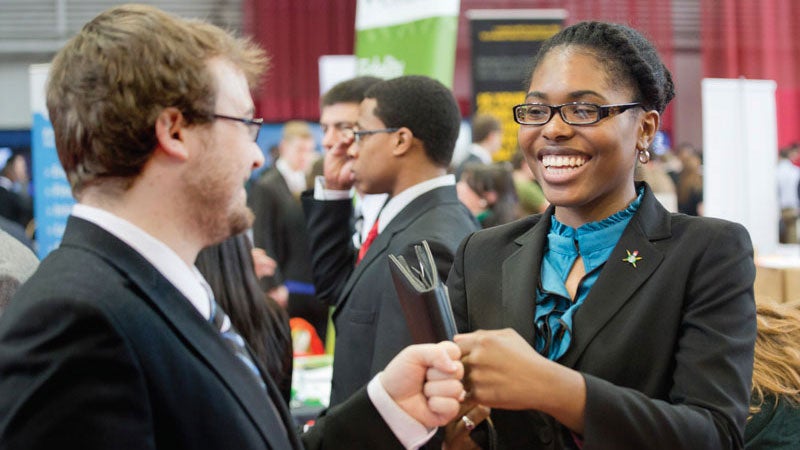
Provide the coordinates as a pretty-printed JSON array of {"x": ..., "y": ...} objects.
[
  {"x": 376, "y": 254},
  {"x": 377, "y": 251},
  {"x": 195, "y": 332},
  {"x": 619, "y": 279},
  {"x": 521, "y": 277}
]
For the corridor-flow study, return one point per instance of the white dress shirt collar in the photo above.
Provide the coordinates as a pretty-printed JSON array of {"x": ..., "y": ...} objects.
[
  {"x": 295, "y": 179},
  {"x": 403, "y": 199},
  {"x": 187, "y": 280}
]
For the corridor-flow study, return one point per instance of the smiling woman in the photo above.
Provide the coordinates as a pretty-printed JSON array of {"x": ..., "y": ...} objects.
[{"x": 626, "y": 327}]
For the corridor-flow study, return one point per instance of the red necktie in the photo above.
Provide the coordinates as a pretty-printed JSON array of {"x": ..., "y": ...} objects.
[{"x": 373, "y": 232}]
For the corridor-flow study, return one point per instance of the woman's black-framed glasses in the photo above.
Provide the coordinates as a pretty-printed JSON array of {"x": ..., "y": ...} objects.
[
  {"x": 253, "y": 125},
  {"x": 577, "y": 113}
]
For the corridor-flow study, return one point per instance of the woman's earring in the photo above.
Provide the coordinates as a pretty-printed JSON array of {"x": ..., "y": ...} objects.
[{"x": 644, "y": 156}]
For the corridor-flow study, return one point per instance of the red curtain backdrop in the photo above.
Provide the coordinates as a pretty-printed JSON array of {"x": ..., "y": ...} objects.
[
  {"x": 297, "y": 32},
  {"x": 756, "y": 39}
]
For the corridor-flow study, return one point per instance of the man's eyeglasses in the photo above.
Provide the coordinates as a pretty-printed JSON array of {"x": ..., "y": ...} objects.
[
  {"x": 357, "y": 134},
  {"x": 341, "y": 127},
  {"x": 253, "y": 125},
  {"x": 577, "y": 113}
]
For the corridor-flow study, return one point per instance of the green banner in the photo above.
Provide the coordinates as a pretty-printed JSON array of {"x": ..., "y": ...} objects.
[{"x": 407, "y": 37}]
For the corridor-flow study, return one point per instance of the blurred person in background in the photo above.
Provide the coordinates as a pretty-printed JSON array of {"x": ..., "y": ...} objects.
[
  {"x": 15, "y": 202},
  {"x": 487, "y": 139},
  {"x": 690, "y": 184},
  {"x": 279, "y": 226},
  {"x": 529, "y": 193},
  {"x": 487, "y": 190},
  {"x": 788, "y": 175},
  {"x": 655, "y": 175}
]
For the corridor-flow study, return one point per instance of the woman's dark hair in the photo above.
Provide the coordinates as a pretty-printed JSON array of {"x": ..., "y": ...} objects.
[
  {"x": 262, "y": 323},
  {"x": 496, "y": 179},
  {"x": 626, "y": 54}
]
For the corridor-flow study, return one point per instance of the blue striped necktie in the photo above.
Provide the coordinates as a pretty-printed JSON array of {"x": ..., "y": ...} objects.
[{"x": 222, "y": 323}]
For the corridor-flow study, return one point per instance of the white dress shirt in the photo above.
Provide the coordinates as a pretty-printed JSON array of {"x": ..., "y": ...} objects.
[
  {"x": 295, "y": 179},
  {"x": 403, "y": 199}
]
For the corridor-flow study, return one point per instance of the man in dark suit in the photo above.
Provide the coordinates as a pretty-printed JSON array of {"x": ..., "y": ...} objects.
[
  {"x": 280, "y": 226},
  {"x": 402, "y": 145},
  {"x": 115, "y": 341}
]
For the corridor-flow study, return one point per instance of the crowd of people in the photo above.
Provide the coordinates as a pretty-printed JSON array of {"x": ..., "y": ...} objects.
[{"x": 597, "y": 308}]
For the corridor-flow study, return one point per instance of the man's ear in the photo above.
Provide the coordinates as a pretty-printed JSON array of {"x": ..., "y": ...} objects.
[
  {"x": 405, "y": 139},
  {"x": 170, "y": 133}
]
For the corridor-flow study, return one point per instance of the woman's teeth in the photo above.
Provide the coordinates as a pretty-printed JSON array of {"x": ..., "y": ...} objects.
[{"x": 562, "y": 162}]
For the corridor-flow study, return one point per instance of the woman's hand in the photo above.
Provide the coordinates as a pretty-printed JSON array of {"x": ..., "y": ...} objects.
[
  {"x": 457, "y": 432},
  {"x": 503, "y": 371}
]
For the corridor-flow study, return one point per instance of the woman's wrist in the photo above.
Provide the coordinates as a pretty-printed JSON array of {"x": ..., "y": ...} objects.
[{"x": 566, "y": 397}]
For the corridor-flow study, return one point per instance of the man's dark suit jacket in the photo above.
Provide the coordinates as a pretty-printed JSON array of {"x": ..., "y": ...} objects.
[
  {"x": 99, "y": 351},
  {"x": 666, "y": 347},
  {"x": 16, "y": 206},
  {"x": 280, "y": 229},
  {"x": 470, "y": 159},
  {"x": 370, "y": 327}
]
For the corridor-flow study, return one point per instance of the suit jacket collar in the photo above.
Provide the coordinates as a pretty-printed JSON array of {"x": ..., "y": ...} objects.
[
  {"x": 615, "y": 286},
  {"x": 420, "y": 205},
  {"x": 186, "y": 321},
  {"x": 521, "y": 277},
  {"x": 274, "y": 177}
]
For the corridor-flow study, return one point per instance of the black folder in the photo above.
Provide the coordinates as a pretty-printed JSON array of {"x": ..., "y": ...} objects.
[{"x": 423, "y": 297}]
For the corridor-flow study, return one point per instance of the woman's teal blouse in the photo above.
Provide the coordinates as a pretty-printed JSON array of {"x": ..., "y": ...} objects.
[{"x": 594, "y": 242}]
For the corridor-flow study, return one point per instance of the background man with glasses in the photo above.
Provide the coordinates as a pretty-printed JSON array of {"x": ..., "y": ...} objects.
[
  {"x": 402, "y": 145},
  {"x": 338, "y": 117},
  {"x": 115, "y": 341}
]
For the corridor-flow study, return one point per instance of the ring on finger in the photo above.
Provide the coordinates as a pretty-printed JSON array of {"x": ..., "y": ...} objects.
[{"x": 468, "y": 423}]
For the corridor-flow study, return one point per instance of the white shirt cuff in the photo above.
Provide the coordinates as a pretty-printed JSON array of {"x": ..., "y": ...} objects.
[
  {"x": 411, "y": 434},
  {"x": 320, "y": 193}
]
